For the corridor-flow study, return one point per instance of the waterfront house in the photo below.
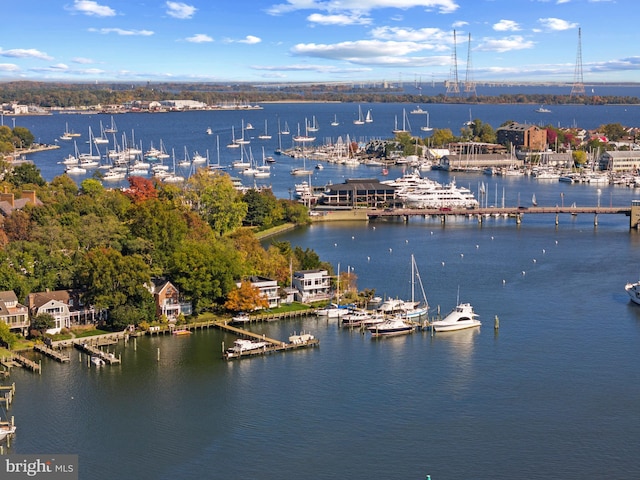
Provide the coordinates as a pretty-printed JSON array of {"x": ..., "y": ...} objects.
[
  {"x": 523, "y": 136},
  {"x": 478, "y": 161},
  {"x": 312, "y": 285},
  {"x": 66, "y": 307},
  {"x": 268, "y": 289},
  {"x": 14, "y": 313},
  {"x": 168, "y": 301}
]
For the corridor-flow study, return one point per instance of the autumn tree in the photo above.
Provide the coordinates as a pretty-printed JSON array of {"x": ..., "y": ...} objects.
[
  {"x": 245, "y": 298},
  {"x": 579, "y": 157},
  {"x": 140, "y": 189},
  {"x": 442, "y": 137}
]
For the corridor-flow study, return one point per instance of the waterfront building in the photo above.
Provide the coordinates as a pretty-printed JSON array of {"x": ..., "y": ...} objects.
[
  {"x": 620, "y": 161},
  {"x": 168, "y": 301},
  {"x": 312, "y": 285},
  {"x": 479, "y": 162},
  {"x": 269, "y": 289},
  {"x": 363, "y": 193},
  {"x": 522, "y": 135},
  {"x": 65, "y": 306},
  {"x": 13, "y": 313}
]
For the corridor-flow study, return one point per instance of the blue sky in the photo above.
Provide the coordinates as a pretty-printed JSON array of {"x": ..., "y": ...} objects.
[{"x": 318, "y": 40}]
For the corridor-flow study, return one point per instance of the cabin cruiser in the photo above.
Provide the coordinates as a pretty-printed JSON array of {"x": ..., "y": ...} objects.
[
  {"x": 242, "y": 346},
  {"x": 396, "y": 325},
  {"x": 459, "y": 318}
]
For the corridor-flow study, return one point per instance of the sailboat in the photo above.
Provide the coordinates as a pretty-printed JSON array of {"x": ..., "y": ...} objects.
[
  {"x": 369, "y": 117},
  {"x": 305, "y": 137},
  {"x": 285, "y": 130},
  {"x": 335, "y": 122},
  {"x": 468, "y": 123},
  {"x": 360, "y": 120},
  {"x": 264, "y": 170},
  {"x": 301, "y": 171},
  {"x": 233, "y": 143},
  {"x": 313, "y": 126},
  {"x": 534, "y": 202},
  {"x": 102, "y": 139},
  {"x": 412, "y": 308},
  {"x": 173, "y": 177},
  {"x": 405, "y": 124},
  {"x": 426, "y": 128},
  {"x": 112, "y": 128},
  {"x": 265, "y": 135}
]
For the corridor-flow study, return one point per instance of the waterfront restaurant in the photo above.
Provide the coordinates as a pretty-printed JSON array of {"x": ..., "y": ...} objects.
[{"x": 358, "y": 193}]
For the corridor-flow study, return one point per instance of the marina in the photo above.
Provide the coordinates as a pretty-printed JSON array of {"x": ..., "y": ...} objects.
[{"x": 502, "y": 395}]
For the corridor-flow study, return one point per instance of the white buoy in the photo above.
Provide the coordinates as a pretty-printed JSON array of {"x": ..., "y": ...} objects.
[
  {"x": 491, "y": 237},
  {"x": 504, "y": 281},
  {"x": 443, "y": 264},
  {"x": 352, "y": 237},
  {"x": 368, "y": 259},
  {"x": 390, "y": 250},
  {"x": 544, "y": 251},
  {"x": 477, "y": 246},
  {"x": 556, "y": 242},
  {"x": 462, "y": 255},
  {"x": 335, "y": 244},
  {"x": 534, "y": 260},
  {"x": 523, "y": 273},
  {"x": 406, "y": 241}
]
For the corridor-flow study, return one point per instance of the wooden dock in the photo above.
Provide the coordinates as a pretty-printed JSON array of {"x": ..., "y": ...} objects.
[
  {"x": 96, "y": 352},
  {"x": 49, "y": 352},
  {"x": 275, "y": 345},
  {"x": 26, "y": 363}
]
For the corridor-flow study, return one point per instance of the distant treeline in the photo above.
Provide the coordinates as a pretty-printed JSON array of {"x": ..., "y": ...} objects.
[{"x": 63, "y": 95}]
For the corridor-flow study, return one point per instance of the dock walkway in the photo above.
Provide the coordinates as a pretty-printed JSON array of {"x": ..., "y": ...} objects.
[
  {"x": 49, "y": 352},
  {"x": 94, "y": 351}
]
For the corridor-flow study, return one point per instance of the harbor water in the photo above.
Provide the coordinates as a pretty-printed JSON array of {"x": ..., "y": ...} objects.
[{"x": 551, "y": 394}]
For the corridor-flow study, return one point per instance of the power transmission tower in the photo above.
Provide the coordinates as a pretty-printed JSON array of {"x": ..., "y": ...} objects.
[
  {"x": 578, "y": 82},
  {"x": 469, "y": 84},
  {"x": 453, "y": 87}
]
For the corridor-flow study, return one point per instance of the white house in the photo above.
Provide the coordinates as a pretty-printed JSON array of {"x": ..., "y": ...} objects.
[
  {"x": 312, "y": 285},
  {"x": 268, "y": 289}
]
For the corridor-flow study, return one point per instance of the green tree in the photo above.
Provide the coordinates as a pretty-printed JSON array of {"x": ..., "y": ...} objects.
[
  {"x": 7, "y": 336},
  {"x": 579, "y": 157},
  {"x": 442, "y": 137},
  {"x": 23, "y": 138},
  {"x": 263, "y": 208},
  {"x": 25, "y": 174},
  {"x": 216, "y": 200},
  {"x": 613, "y": 131},
  {"x": 43, "y": 322}
]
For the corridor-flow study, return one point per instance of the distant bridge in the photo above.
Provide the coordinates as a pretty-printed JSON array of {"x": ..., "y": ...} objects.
[{"x": 515, "y": 212}]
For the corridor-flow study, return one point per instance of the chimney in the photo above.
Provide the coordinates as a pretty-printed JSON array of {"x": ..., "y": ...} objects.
[
  {"x": 7, "y": 197},
  {"x": 29, "y": 195}
]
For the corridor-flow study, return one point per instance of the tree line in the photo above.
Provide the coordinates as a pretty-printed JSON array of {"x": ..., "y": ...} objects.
[{"x": 110, "y": 243}]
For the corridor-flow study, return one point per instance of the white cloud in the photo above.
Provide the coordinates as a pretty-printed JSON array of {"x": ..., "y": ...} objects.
[
  {"x": 121, "y": 31},
  {"x": 442, "y": 6},
  {"x": 338, "y": 19},
  {"x": 82, "y": 60},
  {"x": 8, "y": 67},
  {"x": 310, "y": 68},
  {"x": 506, "y": 44},
  {"x": 459, "y": 23},
  {"x": 556, "y": 24},
  {"x": 411, "y": 35},
  {"x": 250, "y": 39},
  {"x": 25, "y": 53},
  {"x": 506, "y": 26},
  {"x": 91, "y": 8},
  {"x": 199, "y": 38},
  {"x": 180, "y": 10}
]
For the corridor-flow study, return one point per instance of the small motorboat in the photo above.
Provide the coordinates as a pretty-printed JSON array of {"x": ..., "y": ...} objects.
[{"x": 97, "y": 361}]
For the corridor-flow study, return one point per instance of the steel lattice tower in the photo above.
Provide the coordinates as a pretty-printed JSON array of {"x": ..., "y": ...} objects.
[
  {"x": 453, "y": 87},
  {"x": 578, "y": 82},
  {"x": 469, "y": 84}
]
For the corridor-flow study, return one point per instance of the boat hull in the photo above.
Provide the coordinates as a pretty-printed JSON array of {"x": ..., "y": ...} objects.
[
  {"x": 452, "y": 328},
  {"x": 633, "y": 289}
]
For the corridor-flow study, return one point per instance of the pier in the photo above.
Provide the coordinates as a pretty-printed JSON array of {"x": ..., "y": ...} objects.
[
  {"x": 515, "y": 212},
  {"x": 109, "y": 358},
  {"x": 275, "y": 345},
  {"x": 49, "y": 352}
]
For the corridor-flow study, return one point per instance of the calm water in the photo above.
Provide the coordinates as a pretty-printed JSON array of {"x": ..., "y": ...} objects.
[{"x": 553, "y": 394}]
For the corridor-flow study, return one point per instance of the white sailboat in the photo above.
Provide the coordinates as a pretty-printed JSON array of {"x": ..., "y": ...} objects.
[
  {"x": 534, "y": 202},
  {"x": 285, "y": 130},
  {"x": 406, "y": 127},
  {"x": 369, "y": 117},
  {"x": 335, "y": 122},
  {"x": 265, "y": 135},
  {"x": 360, "y": 120},
  {"x": 469, "y": 123},
  {"x": 233, "y": 143},
  {"x": 102, "y": 139},
  {"x": 313, "y": 126},
  {"x": 426, "y": 128},
  {"x": 111, "y": 128}
]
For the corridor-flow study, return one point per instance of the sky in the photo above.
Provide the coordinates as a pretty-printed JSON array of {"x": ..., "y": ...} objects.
[{"x": 285, "y": 41}]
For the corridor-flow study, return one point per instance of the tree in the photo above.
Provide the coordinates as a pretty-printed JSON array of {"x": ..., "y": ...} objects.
[
  {"x": 43, "y": 322},
  {"x": 140, "y": 189},
  {"x": 263, "y": 208},
  {"x": 579, "y": 157},
  {"x": 7, "y": 336},
  {"x": 245, "y": 298},
  {"x": 26, "y": 174},
  {"x": 23, "y": 138},
  {"x": 442, "y": 137},
  {"x": 216, "y": 200},
  {"x": 613, "y": 131}
]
